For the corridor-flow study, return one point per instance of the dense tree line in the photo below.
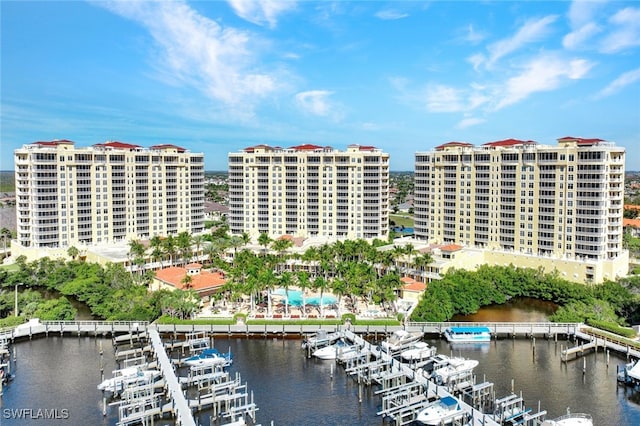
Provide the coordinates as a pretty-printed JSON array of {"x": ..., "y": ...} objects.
[
  {"x": 110, "y": 292},
  {"x": 465, "y": 292}
]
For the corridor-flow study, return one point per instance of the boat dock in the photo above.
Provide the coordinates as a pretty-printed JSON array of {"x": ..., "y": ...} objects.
[
  {"x": 203, "y": 387},
  {"x": 592, "y": 339},
  {"x": 406, "y": 391}
]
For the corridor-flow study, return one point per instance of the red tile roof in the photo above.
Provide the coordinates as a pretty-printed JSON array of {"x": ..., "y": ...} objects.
[
  {"x": 631, "y": 222},
  {"x": 509, "y": 142},
  {"x": 451, "y": 247},
  {"x": 205, "y": 280},
  {"x": 452, "y": 144},
  {"x": 55, "y": 142},
  {"x": 306, "y": 147},
  {"x": 118, "y": 145},
  {"x": 581, "y": 141},
  {"x": 253, "y": 148},
  {"x": 168, "y": 146},
  {"x": 367, "y": 148},
  {"x": 412, "y": 285}
]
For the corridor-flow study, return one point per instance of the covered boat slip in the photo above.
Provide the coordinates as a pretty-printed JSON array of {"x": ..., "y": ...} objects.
[{"x": 468, "y": 334}]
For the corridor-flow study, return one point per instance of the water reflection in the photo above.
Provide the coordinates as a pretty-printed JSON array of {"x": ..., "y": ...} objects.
[{"x": 518, "y": 309}]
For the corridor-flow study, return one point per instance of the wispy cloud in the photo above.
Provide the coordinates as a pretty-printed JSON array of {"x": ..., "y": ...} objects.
[
  {"x": 582, "y": 15},
  {"x": 390, "y": 15},
  {"x": 580, "y": 36},
  {"x": 315, "y": 102},
  {"x": 533, "y": 30},
  {"x": 544, "y": 73},
  {"x": 619, "y": 83},
  {"x": 441, "y": 98},
  {"x": 469, "y": 122},
  {"x": 261, "y": 12},
  {"x": 196, "y": 51},
  {"x": 626, "y": 32},
  {"x": 473, "y": 36}
]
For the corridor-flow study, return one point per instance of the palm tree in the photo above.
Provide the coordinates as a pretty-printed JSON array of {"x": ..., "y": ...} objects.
[
  {"x": 302, "y": 278},
  {"x": 246, "y": 239},
  {"x": 281, "y": 246},
  {"x": 169, "y": 246},
  {"x": 184, "y": 245},
  {"x": 197, "y": 241},
  {"x": 73, "y": 252},
  {"x": 186, "y": 281},
  {"x": 285, "y": 281},
  {"x": 264, "y": 240},
  {"x": 5, "y": 234},
  {"x": 137, "y": 250}
]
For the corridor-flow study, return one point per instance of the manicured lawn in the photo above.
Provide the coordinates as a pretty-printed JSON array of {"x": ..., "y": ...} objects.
[
  {"x": 402, "y": 220},
  {"x": 10, "y": 268}
]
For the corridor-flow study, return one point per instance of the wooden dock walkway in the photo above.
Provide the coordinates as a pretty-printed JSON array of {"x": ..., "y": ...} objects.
[
  {"x": 592, "y": 339},
  {"x": 181, "y": 409}
]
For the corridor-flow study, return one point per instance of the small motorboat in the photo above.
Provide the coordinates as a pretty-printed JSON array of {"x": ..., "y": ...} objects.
[
  {"x": 209, "y": 357},
  {"x": 444, "y": 411},
  {"x": 401, "y": 339},
  {"x": 128, "y": 377},
  {"x": 571, "y": 419},
  {"x": 420, "y": 351},
  {"x": 452, "y": 367},
  {"x": 339, "y": 350}
]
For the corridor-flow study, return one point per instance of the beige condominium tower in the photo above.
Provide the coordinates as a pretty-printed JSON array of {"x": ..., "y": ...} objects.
[
  {"x": 106, "y": 193},
  {"x": 528, "y": 204},
  {"x": 309, "y": 191}
]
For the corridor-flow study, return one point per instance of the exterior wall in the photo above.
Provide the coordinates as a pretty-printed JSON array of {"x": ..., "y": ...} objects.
[
  {"x": 309, "y": 191},
  {"x": 560, "y": 202},
  {"x": 111, "y": 192}
]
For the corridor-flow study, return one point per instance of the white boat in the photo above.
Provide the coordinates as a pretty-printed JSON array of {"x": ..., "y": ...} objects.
[
  {"x": 444, "y": 411},
  {"x": 128, "y": 377},
  {"x": 571, "y": 419},
  {"x": 401, "y": 339},
  {"x": 453, "y": 367},
  {"x": 320, "y": 338},
  {"x": 339, "y": 350},
  {"x": 420, "y": 351},
  {"x": 468, "y": 334},
  {"x": 209, "y": 357},
  {"x": 630, "y": 373}
]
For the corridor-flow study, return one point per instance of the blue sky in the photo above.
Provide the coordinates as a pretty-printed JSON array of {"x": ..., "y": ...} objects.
[{"x": 216, "y": 76}]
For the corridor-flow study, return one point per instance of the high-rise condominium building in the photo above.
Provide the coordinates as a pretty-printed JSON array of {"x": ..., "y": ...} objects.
[
  {"x": 553, "y": 202},
  {"x": 105, "y": 193},
  {"x": 309, "y": 191}
]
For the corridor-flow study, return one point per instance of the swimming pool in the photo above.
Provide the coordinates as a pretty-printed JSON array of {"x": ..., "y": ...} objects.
[{"x": 294, "y": 298}]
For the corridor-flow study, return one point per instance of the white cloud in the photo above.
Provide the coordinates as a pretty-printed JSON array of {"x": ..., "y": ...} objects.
[
  {"x": 582, "y": 12},
  {"x": 472, "y": 35},
  {"x": 440, "y": 98},
  {"x": 261, "y": 12},
  {"x": 469, "y": 122},
  {"x": 579, "y": 37},
  {"x": 619, "y": 83},
  {"x": 542, "y": 74},
  {"x": 315, "y": 102},
  {"x": 390, "y": 15},
  {"x": 196, "y": 51},
  {"x": 533, "y": 30},
  {"x": 626, "y": 33}
]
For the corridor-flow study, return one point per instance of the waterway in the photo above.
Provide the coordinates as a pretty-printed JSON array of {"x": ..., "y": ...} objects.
[
  {"x": 60, "y": 375},
  {"x": 518, "y": 309}
]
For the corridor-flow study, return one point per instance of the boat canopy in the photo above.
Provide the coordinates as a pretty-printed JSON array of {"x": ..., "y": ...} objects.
[
  {"x": 449, "y": 401},
  {"x": 470, "y": 330}
]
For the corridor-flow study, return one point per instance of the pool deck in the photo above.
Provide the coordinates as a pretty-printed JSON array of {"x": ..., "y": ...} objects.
[{"x": 280, "y": 311}]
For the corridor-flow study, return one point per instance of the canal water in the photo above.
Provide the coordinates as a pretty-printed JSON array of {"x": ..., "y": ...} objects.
[{"x": 60, "y": 375}]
